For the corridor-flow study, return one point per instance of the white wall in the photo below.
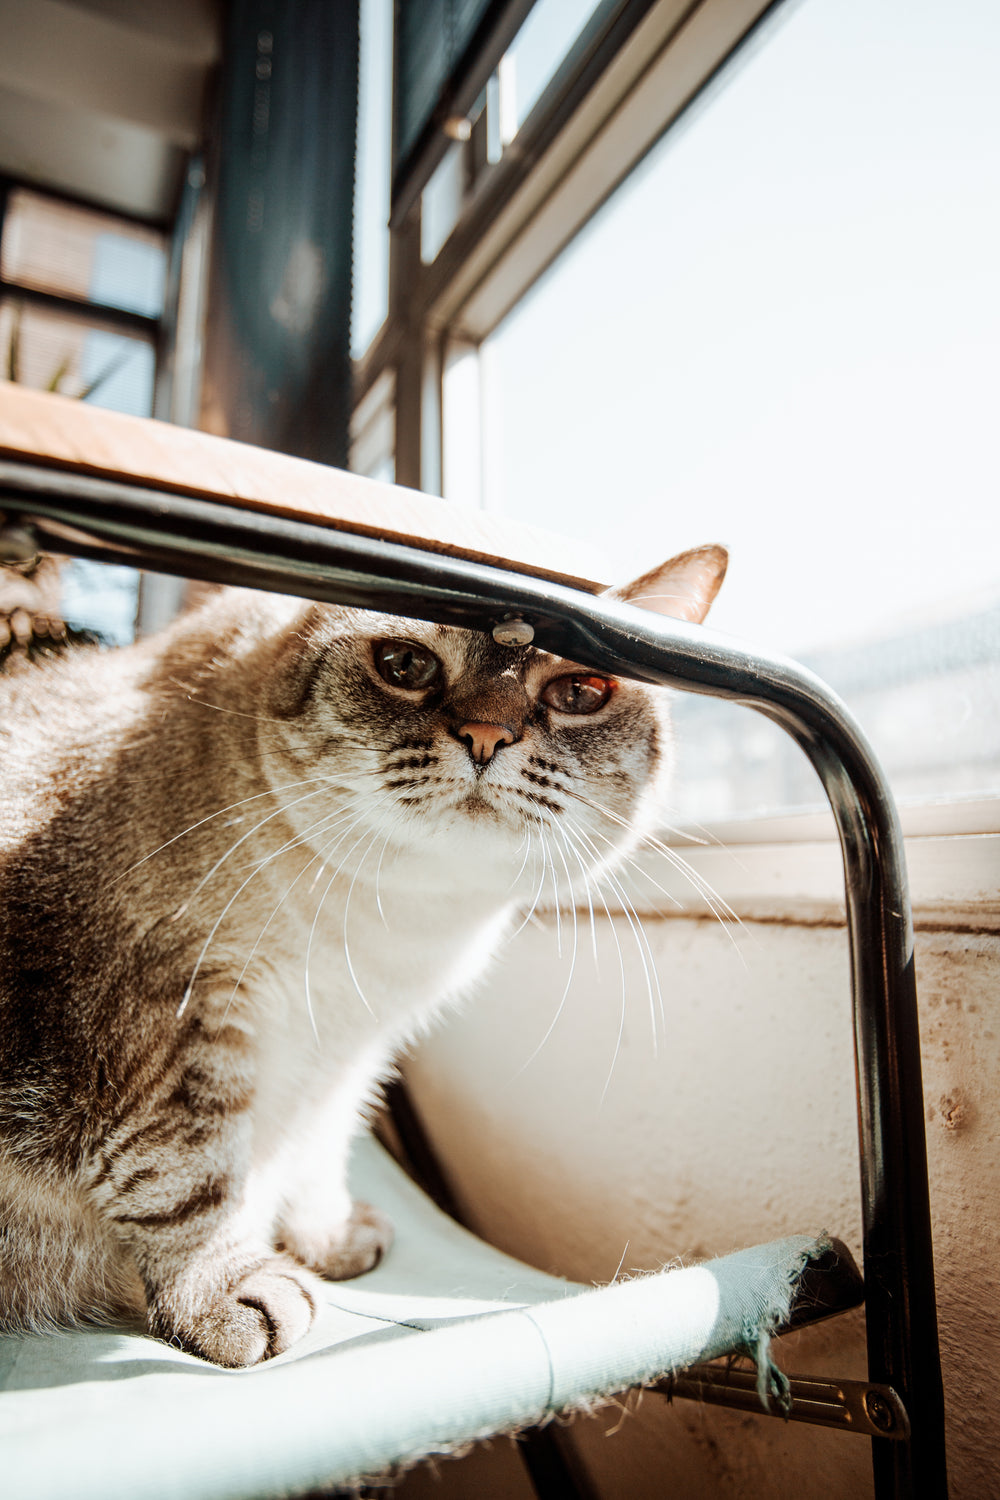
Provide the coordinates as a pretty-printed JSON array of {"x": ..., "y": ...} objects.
[{"x": 740, "y": 1126}]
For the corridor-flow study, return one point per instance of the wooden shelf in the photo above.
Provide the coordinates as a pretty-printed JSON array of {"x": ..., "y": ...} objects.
[{"x": 57, "y": 432}]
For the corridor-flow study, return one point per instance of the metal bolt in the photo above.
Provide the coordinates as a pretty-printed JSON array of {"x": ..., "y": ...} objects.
[
  {"x": 513, "y": 632},
  {"x": 880, "y": 1414},
  {"x": 18, "y": 544}
]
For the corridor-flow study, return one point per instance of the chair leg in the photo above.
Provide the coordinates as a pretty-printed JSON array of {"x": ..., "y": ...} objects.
[{"x": 554, "y": 1473}]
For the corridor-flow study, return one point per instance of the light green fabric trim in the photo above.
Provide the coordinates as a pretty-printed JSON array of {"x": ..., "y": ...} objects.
[{"x": 447, "y": 1341}]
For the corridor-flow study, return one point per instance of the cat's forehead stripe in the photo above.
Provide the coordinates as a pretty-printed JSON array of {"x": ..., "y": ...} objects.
[{"x": 478, "y": 652}]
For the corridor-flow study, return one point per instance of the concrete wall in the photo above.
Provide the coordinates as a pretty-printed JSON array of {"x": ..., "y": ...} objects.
[{"x": 734, "y": 1124}]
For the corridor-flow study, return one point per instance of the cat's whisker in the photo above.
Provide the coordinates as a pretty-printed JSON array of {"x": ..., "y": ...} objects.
[
  {"x": 569, "y": 977},
  {"x": 312, "y": 933},
  {"x": 719, "y": 907},
  {"x": 695, "y": 833},
  {"x": 220, "y": 708},
  {"x": 315, "y": 921},
  {"x": 278, "y": 811},
  {"x": 638, "y": 932},
  {"x": 378, "y": 872},
  {"x": 535, "y": 899},
  {"x": 550, "y": 863},
  {"x": 260, "y": 936},
  {"x": 219, "y": 921},
  {"x": 208, "y": 941},
  {"x": 199, "y": 702},
  {"x": 587, "y": 886},
  {"x": 620, "y": 1263},
  {"x": 645, "y": 953},
  {"x": 319, "y": 855},
  {"x": 641, "y": 939},
  {"x": 347, "y": 946},
  {"x": 624, "y": 985},
  {"x": 629, "y": 861},
  {"x": 270, "y": 792},
  {"x": 569, "y": 880},
  {"x": 347, "y": 908},
  {"x": 526, "y": 841},
  {"x": 639, "y": 871},
  {"x": 691, "y": 833},
  {"x": 571, "y": 844},
  {"x": 304, "y": 838}
]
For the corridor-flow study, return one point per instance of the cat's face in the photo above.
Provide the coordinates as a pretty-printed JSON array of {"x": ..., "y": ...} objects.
[{"x": 440, "y": 740}]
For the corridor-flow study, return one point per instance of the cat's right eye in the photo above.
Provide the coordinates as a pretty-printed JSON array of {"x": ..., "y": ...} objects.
[{"x": 405, "y": 665}]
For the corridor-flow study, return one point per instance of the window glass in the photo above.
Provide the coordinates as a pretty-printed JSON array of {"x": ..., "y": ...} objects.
[
  {"x": 50, "y": 350},
  {"x": 100, "y": 597},
  {"x": 373, "y": 432},
  {"x": 57, "y": 250},
  {"x": 781, "y": 334},
  {"x": 441, "y": 202},
  {"x": 536, "y": 52},
  {"x": 527, "y": 67},
  {"x": 431, "y": 39},
  {"x": 371, "y": 189},
  {"x": 57, "y": 247}
]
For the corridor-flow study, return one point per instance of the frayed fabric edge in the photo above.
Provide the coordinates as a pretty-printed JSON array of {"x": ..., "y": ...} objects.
[
  {"x": 772, "y": 1382},
  {"x": 773, "y": 1388}
]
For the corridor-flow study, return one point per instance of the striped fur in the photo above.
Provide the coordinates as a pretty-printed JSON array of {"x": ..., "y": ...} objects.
[{"x": 239, "y": 871}]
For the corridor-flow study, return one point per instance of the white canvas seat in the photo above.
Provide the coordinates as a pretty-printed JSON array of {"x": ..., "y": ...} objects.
[{"x": 446, "y": 1341}]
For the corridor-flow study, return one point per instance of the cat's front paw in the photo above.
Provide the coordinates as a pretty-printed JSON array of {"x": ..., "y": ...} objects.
[
  {"x": 262, "y": 1314},
  {"x": 356, "y": 1246}
]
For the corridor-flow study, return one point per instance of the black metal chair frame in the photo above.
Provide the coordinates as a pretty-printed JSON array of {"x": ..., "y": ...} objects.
[{"x": 200, "y": 539}]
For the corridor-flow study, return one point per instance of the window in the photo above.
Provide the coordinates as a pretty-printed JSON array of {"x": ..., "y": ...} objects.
[
  {"x": 781, "y": 334},
  {"x": 371, "y": 185},
  {"x": 81, "y": 293},
  {"x": 742, "y": 293},
  {"x": 61, "y": 267},
  {"x": 534, "y": 56},
  {"x": 552, "y": 32}
]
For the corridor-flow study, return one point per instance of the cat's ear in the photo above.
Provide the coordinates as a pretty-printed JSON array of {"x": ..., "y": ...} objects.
[{"x": 683, "y": 587}]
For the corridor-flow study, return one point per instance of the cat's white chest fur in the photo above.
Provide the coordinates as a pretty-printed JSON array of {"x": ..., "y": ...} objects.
[{"x": 344, "y": 990}]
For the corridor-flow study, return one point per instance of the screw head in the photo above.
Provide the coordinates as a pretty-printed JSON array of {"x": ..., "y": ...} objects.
[
  {"x": 513, "y": 632},
  {"x": 18, "y": 544},
  {"x": 880, "y": 1414}
]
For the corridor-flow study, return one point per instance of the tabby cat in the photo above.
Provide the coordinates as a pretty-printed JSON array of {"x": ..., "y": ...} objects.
[{"x": 242, "y": 864}]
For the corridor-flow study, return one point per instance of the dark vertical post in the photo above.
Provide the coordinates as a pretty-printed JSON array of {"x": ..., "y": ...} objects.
[
  {"x": 900, "y": 1297},
  {"x": 277, "y": 355},
  {"x": 404, "y": 267}
]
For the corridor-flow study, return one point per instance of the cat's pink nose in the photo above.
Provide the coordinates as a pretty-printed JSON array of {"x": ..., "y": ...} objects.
[{"x": 482, "y": 740}]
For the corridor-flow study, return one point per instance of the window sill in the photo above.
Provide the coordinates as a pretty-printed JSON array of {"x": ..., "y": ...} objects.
[{"x": 788, "y": 869}]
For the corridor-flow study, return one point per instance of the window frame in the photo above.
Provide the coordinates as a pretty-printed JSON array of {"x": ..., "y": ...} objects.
[
  {"x": 607, "y": 106},
  {"x": 626, "y": 81},
  {"x": 173, "y": 389},
  {"x": 787, "y": 867},
  {"x": 115, "y": 319}
]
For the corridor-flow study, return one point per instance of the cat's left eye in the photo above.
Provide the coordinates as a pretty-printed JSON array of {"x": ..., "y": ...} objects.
[
  {"x": 405, "y": 665},
  {"x": 578, "y": 693}
]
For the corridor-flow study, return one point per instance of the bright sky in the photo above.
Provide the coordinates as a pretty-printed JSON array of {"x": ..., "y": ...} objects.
[{"x": 784, "y": 334}]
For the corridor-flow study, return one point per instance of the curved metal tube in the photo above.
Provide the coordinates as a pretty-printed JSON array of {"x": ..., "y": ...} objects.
[{"x": 203, "y": 539}]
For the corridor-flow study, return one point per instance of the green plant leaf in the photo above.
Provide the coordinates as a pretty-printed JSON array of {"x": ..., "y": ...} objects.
[
  {"x": 14, "y": 347},
  {"x": 112, "y": 367},
  {"x": 59, "y": 374}
]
